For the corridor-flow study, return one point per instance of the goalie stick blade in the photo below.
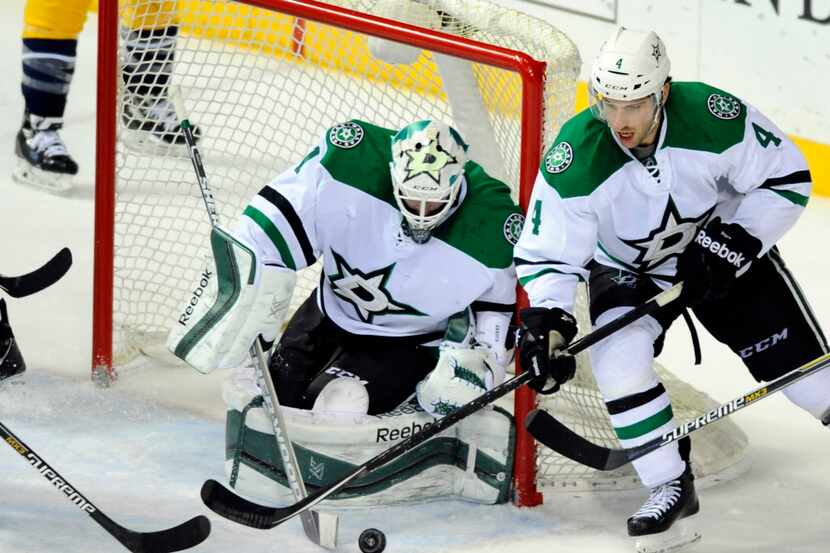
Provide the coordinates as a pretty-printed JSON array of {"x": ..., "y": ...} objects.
[
  {"x": 37, "y": 280},
  {"x": 184, "y": 536},
  {"x": 558, "y": 437},
  {"x": 227, "y": 504}
]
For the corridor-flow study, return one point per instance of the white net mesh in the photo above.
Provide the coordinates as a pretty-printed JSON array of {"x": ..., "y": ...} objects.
[{"x": 261, "y": 88}]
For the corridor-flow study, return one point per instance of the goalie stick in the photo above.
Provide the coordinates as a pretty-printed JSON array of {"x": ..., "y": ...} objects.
[
  {"x": 321, "y": 528},
  {"x": 42, "y": 277},
  {"x": 555, "y": 435},
  {"x": 231, "y": 506},
  {"x": 183, "y": 536}
]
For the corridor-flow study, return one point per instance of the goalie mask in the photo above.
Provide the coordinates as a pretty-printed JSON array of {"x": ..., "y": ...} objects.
[
  {"x": 427, "y": 168},
  {"x": 631, "y": 65}
]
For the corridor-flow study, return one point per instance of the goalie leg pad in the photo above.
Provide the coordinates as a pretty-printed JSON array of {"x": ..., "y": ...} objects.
[
  {"x": 472, "y": 460},
  {"x": 233, "y": 302}
]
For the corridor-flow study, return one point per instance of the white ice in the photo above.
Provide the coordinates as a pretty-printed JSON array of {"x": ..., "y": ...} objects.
[{"x": 141, "y": 450}]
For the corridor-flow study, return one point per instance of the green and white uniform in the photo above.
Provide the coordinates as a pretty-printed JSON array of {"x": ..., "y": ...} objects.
[
  {"x": 338, "y": 203},
  {"x": 594, "y": 200},
  {"x": 596, "y": 204}
]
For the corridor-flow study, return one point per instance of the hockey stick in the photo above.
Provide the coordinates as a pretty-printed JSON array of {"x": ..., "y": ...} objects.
[
  {"x": 40, "y": 278},
  {"x": 183, "y": 536},
  {"x": 321, "y": 528},
  {"x": 555, "y": 435},
  {"x": 226, "y": 503}
]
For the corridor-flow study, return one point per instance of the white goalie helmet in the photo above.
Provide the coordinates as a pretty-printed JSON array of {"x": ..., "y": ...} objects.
[
  {"x": 630, "y": 65},
  {"x": 427, "y": 167}
]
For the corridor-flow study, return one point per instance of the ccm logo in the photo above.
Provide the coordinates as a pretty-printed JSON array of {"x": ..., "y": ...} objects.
[{"x": 767, "y": 342}]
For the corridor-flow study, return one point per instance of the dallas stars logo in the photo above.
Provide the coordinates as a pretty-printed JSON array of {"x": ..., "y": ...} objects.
[
  {"x": 723, "y": 107},
  {"x": 367, "y": 291},
  {"x": 346, "y": 135},
  {"x": 655, "y": 52},
  {"x": 667, "y": 240},
  {"x": 428, "y": 160}
]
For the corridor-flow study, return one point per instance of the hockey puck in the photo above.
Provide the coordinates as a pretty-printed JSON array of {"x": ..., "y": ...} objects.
[{"x": 372, "y": 540}]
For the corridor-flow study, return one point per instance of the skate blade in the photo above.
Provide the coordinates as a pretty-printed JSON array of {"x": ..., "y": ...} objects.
[
  {"x": 682, "y": 535},
  {"x": 29, "y": 175},
  {"x": 146, "y": 143}
]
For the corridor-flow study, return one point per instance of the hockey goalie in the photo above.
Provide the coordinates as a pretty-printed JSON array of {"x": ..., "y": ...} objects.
[{"x": 409, "y": 321}]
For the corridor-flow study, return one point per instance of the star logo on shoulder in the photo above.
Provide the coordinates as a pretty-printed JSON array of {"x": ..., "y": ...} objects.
[
  {"x": 367, "y": 292},
  {"x": 428, "y": 159},
  {"x": 668, "y": 240}
]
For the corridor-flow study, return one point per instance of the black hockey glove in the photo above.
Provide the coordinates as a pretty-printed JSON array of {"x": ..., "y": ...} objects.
[
  {"x": 709, "y": 265},
  {"x": 543, "y": 333}
]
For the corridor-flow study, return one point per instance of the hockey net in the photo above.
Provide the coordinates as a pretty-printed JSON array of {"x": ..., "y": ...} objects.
[{"x": 263, "y": 79}]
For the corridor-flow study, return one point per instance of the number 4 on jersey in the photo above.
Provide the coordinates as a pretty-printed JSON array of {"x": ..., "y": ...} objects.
[
  {"x": 537, "y": 216},
  {"x": 764, "y": 136}
]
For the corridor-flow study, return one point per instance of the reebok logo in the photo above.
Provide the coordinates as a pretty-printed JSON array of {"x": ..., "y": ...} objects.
[
  {"x": 720, "y": 249},
  {"x": 392, "y": 434},
  {"x": 184, "y": 317}
]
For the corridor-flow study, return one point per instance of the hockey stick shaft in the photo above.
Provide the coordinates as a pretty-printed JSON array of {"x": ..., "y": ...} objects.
[
  {"x": 558, "y": 437},
  {"x": 184, "y": 536},
  {"x": 195, "y": 156},
  {"x": 42, "y": 277},
  {"x": 321, "y": 528},
  {"x": 229, "y": 505}
]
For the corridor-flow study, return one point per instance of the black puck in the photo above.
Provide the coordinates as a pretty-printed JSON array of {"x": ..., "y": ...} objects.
[{"x": 372, "y": 540}]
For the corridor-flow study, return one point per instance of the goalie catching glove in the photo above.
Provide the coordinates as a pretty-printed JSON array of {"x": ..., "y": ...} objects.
[
  {"x": 543, "y": 333},
  {"x": 461, "y": 375},
  {"x": 467, "y": 365},
  {"x": 236, "y": 300}
]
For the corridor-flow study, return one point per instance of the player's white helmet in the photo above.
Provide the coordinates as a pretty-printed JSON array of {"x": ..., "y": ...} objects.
[
  {"x": 630, "y": 65},
  {"x": 428, "y": 159}
]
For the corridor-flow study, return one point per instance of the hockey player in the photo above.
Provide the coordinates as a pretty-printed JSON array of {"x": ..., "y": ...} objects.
[
  {"x": 412, "y": 236},
  {"x": 50, "y": 37},
  {"x": 659, "y": 182}
]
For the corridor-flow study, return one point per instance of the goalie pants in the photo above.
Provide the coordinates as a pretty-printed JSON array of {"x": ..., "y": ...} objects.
[{"x": 313, "y": 351}]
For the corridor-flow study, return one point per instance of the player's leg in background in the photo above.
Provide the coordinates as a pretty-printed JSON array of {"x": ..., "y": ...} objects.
[
  {"x": 637, "y": 402},
  {"x": 388, "y": 370},
  {"x": 767, "y": 321},
  {"x": 50, "y": 38},
  {"x": 149, "y": 31}
]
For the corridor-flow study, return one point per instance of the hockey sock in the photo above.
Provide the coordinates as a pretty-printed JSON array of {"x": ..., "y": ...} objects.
[{"x": 48, "y": 66}]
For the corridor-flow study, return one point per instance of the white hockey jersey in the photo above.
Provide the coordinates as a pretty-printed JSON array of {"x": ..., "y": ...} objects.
[
  {"x": 338, "y": 203},
  {"x": 592, "y": 199}
]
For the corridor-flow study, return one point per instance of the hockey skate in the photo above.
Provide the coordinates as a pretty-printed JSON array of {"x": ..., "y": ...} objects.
[
  {"x": 11, "y": 360},
  {"x": 659, "y": 526},
  {"x": 153, "y": 126},
  {"x": 42, "y": 158}
]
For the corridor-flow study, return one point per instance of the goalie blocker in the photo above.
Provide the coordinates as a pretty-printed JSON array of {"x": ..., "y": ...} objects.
[
  {"x": 472, "y": 460},
  {"x": 236, "y": 299}
]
